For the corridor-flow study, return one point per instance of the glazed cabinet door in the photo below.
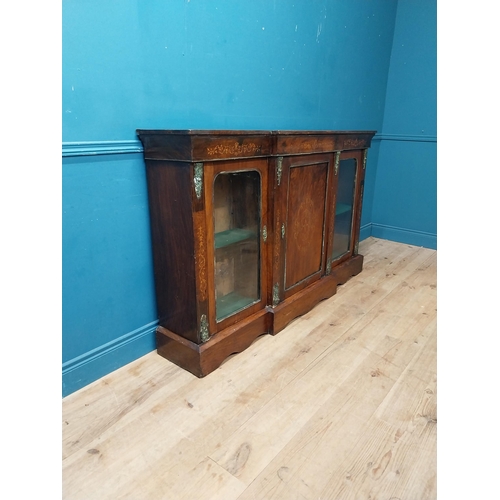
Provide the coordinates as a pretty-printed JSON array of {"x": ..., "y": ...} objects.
[
  {"x": 348, "y": 182},
  {"x": 236, "y": 222},
  {"x": 300, "y": 217}
]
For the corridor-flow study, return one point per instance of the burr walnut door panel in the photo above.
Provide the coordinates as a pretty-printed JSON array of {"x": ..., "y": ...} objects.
[{"x": 307, "y": 190}]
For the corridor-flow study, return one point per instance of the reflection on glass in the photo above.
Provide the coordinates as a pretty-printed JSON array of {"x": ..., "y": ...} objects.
[
  {"x": 344, "y": 207},
  {"x": 237, "y": 231}
]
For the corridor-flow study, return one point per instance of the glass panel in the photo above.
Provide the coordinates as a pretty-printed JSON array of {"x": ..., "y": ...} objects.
[
  {"x": 237, "y": 239},
  {"x": 344, "y": 207}
]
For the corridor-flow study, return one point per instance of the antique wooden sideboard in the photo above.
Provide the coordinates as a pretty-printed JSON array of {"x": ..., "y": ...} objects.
[{"x": 250, "y": 229}]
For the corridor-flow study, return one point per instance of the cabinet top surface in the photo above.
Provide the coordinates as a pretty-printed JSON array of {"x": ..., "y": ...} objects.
[{"x": 251, "y": 132}]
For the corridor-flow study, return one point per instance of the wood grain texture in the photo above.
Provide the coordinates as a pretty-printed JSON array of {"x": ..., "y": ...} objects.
[
  {"x": 174, "y": 258},
  {"x": 341, "y": 405},
  {"x": 305, "y": 221}
]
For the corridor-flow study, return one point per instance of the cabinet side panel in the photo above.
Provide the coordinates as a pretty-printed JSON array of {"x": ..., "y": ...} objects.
[{"x": 170, "y": 205}]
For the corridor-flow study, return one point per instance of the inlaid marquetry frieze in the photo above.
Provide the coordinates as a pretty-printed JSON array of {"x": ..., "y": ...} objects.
[
  {"x": 234, "y": 149},
  {"x": 354, "y": 143}
]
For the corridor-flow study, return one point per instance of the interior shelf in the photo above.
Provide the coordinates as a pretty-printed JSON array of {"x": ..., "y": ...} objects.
[
  {"x": 230, "y": 303},
  {"x": 342, "y": 208},
  {"x": 231, "y": 236}
]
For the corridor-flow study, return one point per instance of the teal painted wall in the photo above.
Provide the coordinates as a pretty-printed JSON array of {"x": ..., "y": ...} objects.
[
  {"x": 405, "y": 193},
  {"x": 108, "y": 297},
  {"x": 225, "y": 64}
]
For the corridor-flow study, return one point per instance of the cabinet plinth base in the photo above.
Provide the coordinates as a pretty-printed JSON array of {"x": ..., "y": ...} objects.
[
  {"x": 303, "y": 301},
  {"x": 202, "y": 359}
]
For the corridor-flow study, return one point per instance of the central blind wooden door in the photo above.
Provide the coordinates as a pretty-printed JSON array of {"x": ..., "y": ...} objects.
[{"x": 307, "y": 185}]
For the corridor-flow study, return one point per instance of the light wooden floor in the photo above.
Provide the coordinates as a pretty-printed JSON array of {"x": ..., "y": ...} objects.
[{"x": 339, "y": 405}]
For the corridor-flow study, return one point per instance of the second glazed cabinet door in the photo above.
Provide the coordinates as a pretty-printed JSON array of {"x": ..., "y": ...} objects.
[
  {"x": 236, "y": 218},
  {"x": 348, "y": 182}
]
